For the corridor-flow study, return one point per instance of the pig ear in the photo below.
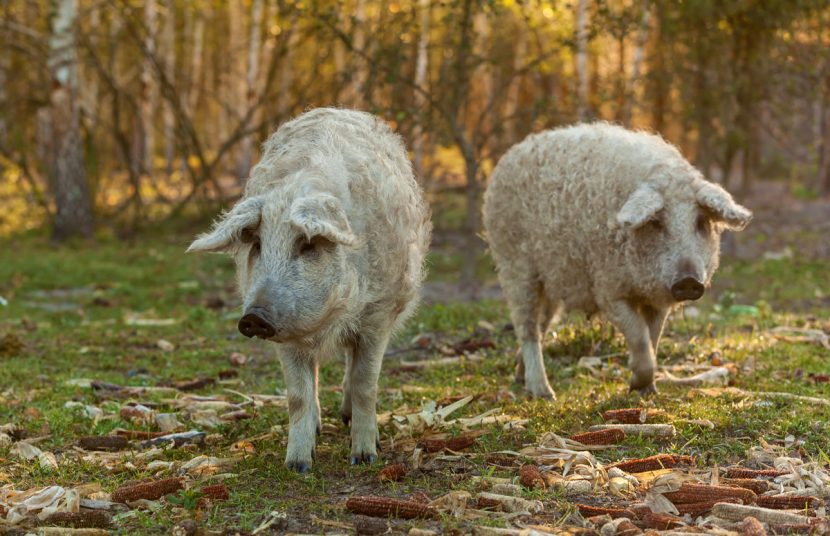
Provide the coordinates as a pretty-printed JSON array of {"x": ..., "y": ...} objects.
[
  {"x": 641, "y": 206},
  {"x": 723, "y": 208},
  {"x": 227, "y": 230},
  {"x": 322, "y": 215}
]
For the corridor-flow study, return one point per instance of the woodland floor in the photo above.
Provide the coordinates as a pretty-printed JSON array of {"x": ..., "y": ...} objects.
[{"x": 81, "y": 321}]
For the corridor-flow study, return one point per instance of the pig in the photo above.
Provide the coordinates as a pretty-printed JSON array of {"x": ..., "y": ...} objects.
[
  {"x": 600, "y": 219},
  {"x": 329, "y": 241}
]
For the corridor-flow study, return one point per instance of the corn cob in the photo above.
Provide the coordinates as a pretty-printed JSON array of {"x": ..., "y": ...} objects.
[
  {"x": 692, "y": 493},
  {"x": 742, "y": 472},
  {"x": 103, "y": 442},
  {"x": 794, "y": 528},
  {"x": 386, "y": 506},
  {"x": 696, "y": 509},
  {"x": 589, "y": 511},
  {"x": 652, "y": 463},
  {"x": 139, "y": 434},
  {"x": 645, "y": 430},
  {"x": 81, "y": 519},
  {"x": 758, "y": 486},
  {"x": 752, "y": 527},
  {"x": 453, "y": 443},
  {"x": 392, "y": 473},
  {"x": 609, "y": 436},
  {"x": 147, "y": 490},
  {"x": 627, "y": 528},
  {"x": 788, "y": 502},
  {"x": 630, "y": 415},
  {"x": 217, "y": 492},
  {"x": 531, "y": 478},
  {"x": 512, "y": 504},
  {"x": 656, "y": 521}
]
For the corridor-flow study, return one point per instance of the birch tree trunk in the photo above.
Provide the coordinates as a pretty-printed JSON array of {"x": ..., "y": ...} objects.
[
  {"x": 168, "y": 45},
  {"x": 73, "y": 204},
  {"x": 583, "y": 109},
  {"x": 144, "y": 140},
  {"x": 636, "y": 64},
  {"x": 421, "y": 67},
  {"x": 251, "y": 78}
]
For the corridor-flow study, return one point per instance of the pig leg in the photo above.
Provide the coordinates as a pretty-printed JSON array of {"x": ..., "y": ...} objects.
[
  {"x": 656, "y": 319},
  {"x": 524, "y": 295},
  {"x": 638, "y": 337},
  {"x": 346, "y": 404},
  {"x": 366, "y": 361},
  {"x": 300, "y": 372},
  {"x": 547, "y": 312}
]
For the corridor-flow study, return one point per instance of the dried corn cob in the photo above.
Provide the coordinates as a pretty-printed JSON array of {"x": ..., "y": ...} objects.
[
  {"x": 752, "y": 527},
  {"x": 386, "y": 506},
  {"x": 630, "y": 415},
  {"x": 742, "y": 472},
  {"x": 103, "y": 442},
  {"x": 758, "y": 486},
  {"x": 692, "y": 493},
  {"x": 645, "y": 430},
  {"x": 81, "y": 519},
  {"x": 788, "y": 502},
  {"x": 392, "y": 473},
  {"x": 653, "y": 463},
  {"x": 147, "y": 490},
  {"x": 699, "y": 508},
  {"x": 656, "y": 521},
  {"x": 608, "y": 436},
  {"x": 453, "y": 443},
  {"x": 588, "y": 511},
  {"x": 217, "y": 492},
  {"x": 531, "y": 478},
  {"x": 627, "y": 528}
]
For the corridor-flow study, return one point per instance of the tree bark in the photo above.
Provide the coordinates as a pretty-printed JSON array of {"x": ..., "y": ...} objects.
[
  {"x": 583, "y": 108},
  {"x": 251, "y": 77},
  {"x": 636, "y": 65},
  {"x": 144, "y": 140},
  {"x": 421, "y": 67},
  {"x": 354, "y": 94},
  {"x": 65, "y": 159},
  {"x": 169, "y": 47},
  {"x": 511, "y": 105},
  {"x": 824, "y": 147},
  {"x": 658, "y": 112}
]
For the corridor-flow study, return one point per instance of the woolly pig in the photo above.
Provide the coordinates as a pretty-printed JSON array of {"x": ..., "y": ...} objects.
[
  {"x": 329, "y": 241},
  {"x": 603, "y": 220}
]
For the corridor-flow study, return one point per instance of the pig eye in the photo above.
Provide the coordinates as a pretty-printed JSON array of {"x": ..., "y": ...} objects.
[
  {"x": 655, "y": 225},
  {"x": 312, "y": 247}
]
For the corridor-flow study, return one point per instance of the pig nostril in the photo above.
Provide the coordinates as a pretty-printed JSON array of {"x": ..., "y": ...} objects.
[
  {"x": 253, "y": 325},
  {"x": 687, "y": 288}
]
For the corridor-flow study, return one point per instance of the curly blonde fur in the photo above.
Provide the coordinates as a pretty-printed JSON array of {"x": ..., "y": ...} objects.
[
  {"x": 598, "y": 218},
  {"x": 337, "y": 183}
]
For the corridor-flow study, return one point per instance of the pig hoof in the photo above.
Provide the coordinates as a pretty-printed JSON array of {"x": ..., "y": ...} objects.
[
  {"x": 541, "y": 391},
  {"x": 643, "y": 390},
  {"x": 364, "y": 457},
  {"x": 299, "y": 466}
]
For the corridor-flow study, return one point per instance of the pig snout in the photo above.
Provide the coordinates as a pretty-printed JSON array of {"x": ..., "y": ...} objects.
[
  {"x": 255, "y": 323},
  {"x": 687, "y": 288}
]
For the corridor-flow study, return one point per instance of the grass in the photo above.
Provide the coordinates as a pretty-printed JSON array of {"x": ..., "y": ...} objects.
[{"x": 69, "y": 306}]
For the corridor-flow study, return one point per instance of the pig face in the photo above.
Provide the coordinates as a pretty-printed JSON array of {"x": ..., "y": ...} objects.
[
  {"x": 291, "y": 264},
  {"x": 674, "y": 243}
]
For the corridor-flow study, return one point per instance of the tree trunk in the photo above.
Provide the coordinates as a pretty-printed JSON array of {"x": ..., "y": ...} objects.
[
  {"x": 144, "y": 140},
  {"x": 65, "y": 159},
  {"x": 5, "y": 66},
  {"x": 354, "y": 94},
  {"x": 511, "y": 105},
  {"x": 421, "y": 66},
  {"x": 824, "y": 146},
  {"x": 169, "y": 47},
  {"x": 658, "y": 112},
  {"x": 636, "y": 64},
  {"x": 582, "y": 105},
  {"x": 251, "y": 77}
]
